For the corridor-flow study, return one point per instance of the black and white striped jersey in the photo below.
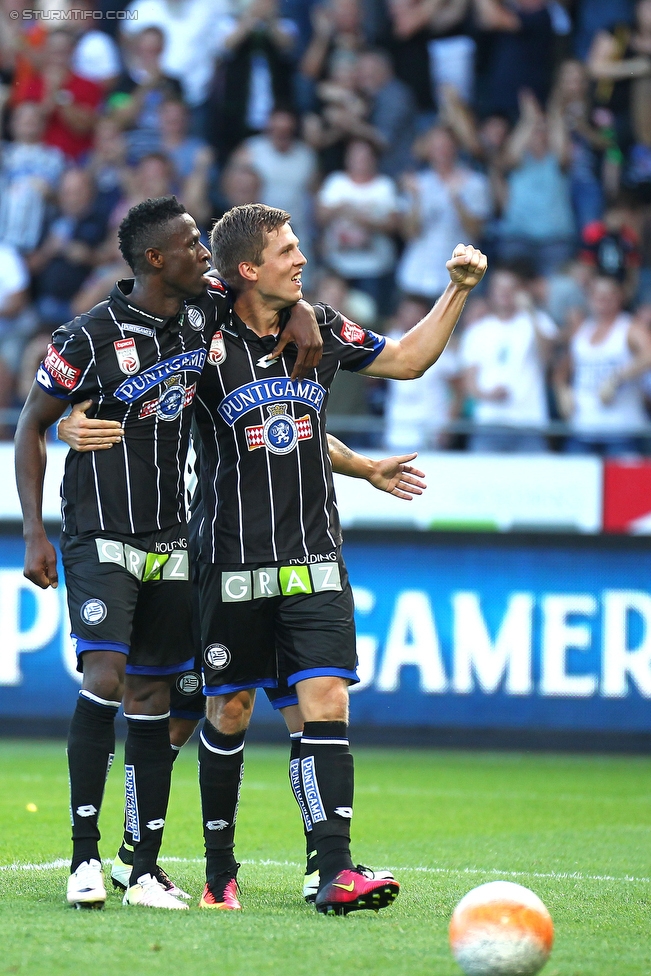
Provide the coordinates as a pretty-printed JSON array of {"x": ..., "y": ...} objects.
[
  {"x": 142, "y": 371},
  {"x": 265, "y": 473}
]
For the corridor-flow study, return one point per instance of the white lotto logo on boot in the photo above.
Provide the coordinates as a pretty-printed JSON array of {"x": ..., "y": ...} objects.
[{"x": 216, "y": 824}]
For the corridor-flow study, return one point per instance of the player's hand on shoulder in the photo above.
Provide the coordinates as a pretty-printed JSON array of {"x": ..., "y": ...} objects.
[
  {"x": 467, "y": 266},
  {"x": 301, "y": 328},
  {"x": 83, "y": 433}
]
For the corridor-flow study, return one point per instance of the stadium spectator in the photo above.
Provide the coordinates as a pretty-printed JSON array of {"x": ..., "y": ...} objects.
[
  {"x": 339, "y": 105},
  {"x": 612, "y": 245},
  {"x": 391, "y": 121},
  {"x": 447, "y": 203},
  {"x": 29, "y": 174},
  {"x": 538, "y": 222},
  {"x": 151, "y": 178},
  {"x": 255, "y": 74},
  {"x": 191, "y": 157},
  {"x": 504, "y": 357},
  {"x": 593, "y": 16},
  {"x": 520, "y": 53},
  {"x": 194, "y": 34},
  {"x": 337, "y": 26},
  {"x": 598, "y": 383},
  {"x": 239, "y": 184},
  {"x": 570, "y": 98},
  {"x": 619, "y": 62},
  {"x": 432, "y": 46},
  {"x": 287, "y": 168},
  {"x": 106, "y": 163},
  {"x": 416, "y": 413},
  {"x": 96, "y": 56},
  {"x": 351, "y": 395},
  {"x": 17, "y": 320},
  {"x": 65, "y": 258},
  {"x": 69, "y": 103},
  {"x": 358, "y": 210},
  {"x": 21, "y": 46},
  {"x": 140, "y": 91}
]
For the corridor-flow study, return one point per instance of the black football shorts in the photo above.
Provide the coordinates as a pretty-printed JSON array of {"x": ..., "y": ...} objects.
[
  {"x": 132, "y": 594},
  {"x": 269, "y": 626}
]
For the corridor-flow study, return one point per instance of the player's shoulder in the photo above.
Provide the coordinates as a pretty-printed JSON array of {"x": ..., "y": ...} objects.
[{"x": 88, "y": 323}]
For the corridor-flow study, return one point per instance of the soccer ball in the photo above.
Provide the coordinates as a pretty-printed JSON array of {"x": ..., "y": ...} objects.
[{"x": 501, "y": 929}]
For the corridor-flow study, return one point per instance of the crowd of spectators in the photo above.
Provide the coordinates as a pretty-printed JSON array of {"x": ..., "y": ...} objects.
[{"x": 391, "y": 130}]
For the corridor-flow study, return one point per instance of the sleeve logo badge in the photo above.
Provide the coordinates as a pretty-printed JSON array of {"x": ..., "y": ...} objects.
[
  {"x": 128, "y": 360},
  {"x": 280, "y": 433}
]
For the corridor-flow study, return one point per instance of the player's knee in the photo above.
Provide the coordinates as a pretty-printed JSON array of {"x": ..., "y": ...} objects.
[
  {"x": 323, "y": 700},
  {"x": 104, "y": 676},
  {"x": 145, "y": 695},
  {"x": 230, "y": 714}
]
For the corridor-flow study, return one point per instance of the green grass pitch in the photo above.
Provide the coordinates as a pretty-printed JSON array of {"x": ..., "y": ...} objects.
[{"x": 575, "y": 829}]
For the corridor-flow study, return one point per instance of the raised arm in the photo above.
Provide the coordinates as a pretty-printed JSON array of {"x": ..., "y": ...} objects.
[
  {"x": 418, "y": 349},
  {"x": 39, "y": 413},
  {"x": 394, "y": 474}
]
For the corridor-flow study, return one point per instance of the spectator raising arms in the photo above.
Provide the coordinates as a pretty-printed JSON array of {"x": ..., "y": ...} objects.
[
  {"x": 538, "y": 222},
  {"x": 447, "y": 202}
]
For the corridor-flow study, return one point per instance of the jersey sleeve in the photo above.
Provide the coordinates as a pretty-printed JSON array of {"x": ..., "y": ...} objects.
[
  {"x": 67, "y": 371},
  {"x": 354, "y": 346}
]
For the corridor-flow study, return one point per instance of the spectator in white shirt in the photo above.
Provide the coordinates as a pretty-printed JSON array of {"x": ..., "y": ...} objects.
[
  {"x": 417, "y": 412},
  {"x": 358, "y": 210},
  {"x": 447, "y": 203},
  {"x": 287, "y": 168},
  {"x": 599, "y": 383},
  {"x": 504, "y": 357},
  {"x": 17, "y": 320}
]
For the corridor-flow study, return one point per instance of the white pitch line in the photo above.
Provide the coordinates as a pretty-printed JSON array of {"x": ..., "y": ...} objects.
[{"x": 551, "y": 875}]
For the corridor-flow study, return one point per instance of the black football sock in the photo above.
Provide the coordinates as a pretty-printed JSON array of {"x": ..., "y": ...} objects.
[
  {"x": 327, "y": 776},
  {"x": 148, "y": 772},
  {"x": 91, "y": 748},
  {"x": 126, "y": 848},
  {"x": 311, "y": 863},
  {"x": 221, "y": 767}
]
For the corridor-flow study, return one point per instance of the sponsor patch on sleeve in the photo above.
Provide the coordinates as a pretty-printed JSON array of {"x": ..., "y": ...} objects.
[
  {"x": 351, "y": 332},
  {"x": 60, "y": 369}
]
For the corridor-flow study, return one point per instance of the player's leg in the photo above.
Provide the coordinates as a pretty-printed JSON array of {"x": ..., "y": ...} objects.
[
  {"x": 186, "y": 711},
  {"x": 91, "y": 749},
  {"x": 317, "y": 647},
  {"x": 161, "y": 649},
  {"x": 238, "y": 657},
  {"x": 286, "y": 701},
  {"x": 221, "y": 767},
  {"x": 101, "y": 601}
]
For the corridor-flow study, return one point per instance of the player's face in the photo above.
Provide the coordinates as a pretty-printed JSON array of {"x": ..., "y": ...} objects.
[
  {"x": 279, "y": 275},
  {"x": 186, "y": 258}
]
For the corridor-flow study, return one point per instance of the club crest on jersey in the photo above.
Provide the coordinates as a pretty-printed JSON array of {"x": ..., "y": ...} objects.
[
  {"x": 280, "y": 433},
  {"x": 217, "y": 351},
  {"x": 171, "y": 402},
  {"x": 196, "y": 318},
  {"x": 128, "y": 360}
]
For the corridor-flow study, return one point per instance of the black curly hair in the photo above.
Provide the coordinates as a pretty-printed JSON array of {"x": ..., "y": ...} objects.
[{"x": 145, "y": 226}]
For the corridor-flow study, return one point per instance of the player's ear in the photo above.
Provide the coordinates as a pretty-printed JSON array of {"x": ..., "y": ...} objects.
[
  {"x": 154, "y": 257},
  {"x": 248, "y": 271}
]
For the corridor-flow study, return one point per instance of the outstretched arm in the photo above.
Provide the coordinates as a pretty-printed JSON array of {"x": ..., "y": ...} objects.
[
  {"x": 39, "y": 413},
  {"x": 419, "y": 348},
  {"x": 394, "y": 474}
]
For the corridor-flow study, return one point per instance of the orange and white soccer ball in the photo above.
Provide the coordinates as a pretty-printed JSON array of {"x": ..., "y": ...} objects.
[{"x": 501, "y": 929}]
